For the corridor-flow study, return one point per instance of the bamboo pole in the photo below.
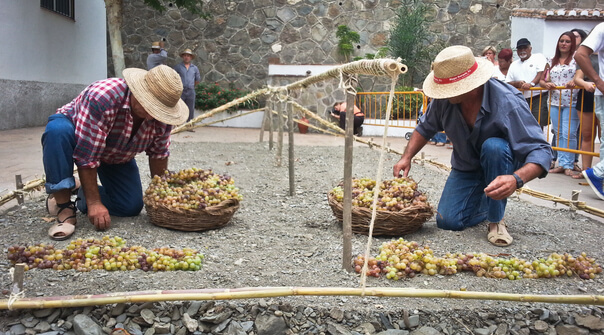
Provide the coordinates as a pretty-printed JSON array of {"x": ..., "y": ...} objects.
[
  {"x": 290, "y": 130},
  {"x": 280, "y": 132},
  {"x": 191, "y": 124},
  {"x": 29, "y": 186},
  {"x": 269, "y": 292},
  {"x": 347, "y": 201},
  {"x": 270, "y": 124},
  {"x": 578, "y": 204}
]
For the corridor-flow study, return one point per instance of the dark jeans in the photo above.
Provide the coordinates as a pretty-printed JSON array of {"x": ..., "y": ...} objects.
[
  {"x": 463, "y": 203},
  {"x": 358, "y": 122},
  {"x": 121, "y": 191}
]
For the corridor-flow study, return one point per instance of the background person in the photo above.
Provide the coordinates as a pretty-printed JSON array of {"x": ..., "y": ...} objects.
[
  {"x": 525, "y": 73},
  {"x": 504, "y": 59},
  {"x": 101, "y": 131},
  {"x": 158, "y": 55},
  {"x": 490, "y": 53},
  {"x": 595, "y": 43},
  {"x": 190, "y": 76},
  {"x": 560, "y": 71},
  {"x": 498, "y": 145},
  {"x": 339, "y": 112},
  {"x": 585, "y": 107}
]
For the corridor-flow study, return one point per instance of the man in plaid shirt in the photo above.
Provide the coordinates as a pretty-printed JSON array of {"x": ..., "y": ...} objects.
[{"x": 101, "y": 131}]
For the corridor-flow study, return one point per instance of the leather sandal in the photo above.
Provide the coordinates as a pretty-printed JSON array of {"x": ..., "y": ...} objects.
[
  {"x": 500, "y": 237},
  {"x": 63, "y": 229}
]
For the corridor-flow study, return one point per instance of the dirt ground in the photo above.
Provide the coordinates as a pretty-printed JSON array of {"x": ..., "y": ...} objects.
[{"x": 280, "y": 240}]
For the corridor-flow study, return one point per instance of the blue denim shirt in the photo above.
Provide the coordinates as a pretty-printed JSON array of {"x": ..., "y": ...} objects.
[
  {"x": 504, "y": 113},
  {"x": 188, "y": 76}
]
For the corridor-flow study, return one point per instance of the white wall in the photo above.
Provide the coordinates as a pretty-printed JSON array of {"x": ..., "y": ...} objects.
[
  {"x": 39, "y": 45},
  {"x": 544, "y": 34}
]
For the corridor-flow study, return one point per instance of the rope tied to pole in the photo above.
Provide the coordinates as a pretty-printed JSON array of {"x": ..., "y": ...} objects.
[{"x": 14, "y": 296}]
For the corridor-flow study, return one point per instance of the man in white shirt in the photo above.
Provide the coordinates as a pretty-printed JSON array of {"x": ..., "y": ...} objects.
[
  {"x": 525, "y": 73},
  {"x": 595, "y": 43}
]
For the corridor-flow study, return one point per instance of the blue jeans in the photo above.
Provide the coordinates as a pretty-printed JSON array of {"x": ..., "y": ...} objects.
[
  {"x": 463, "y": 202},
  {"x": 121, "y": 191},
  {"x": 565, "y": 122},
  {"x": 439, "y": 138}
]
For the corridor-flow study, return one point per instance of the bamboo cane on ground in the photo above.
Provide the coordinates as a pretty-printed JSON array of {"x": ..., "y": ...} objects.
[{"x": 269, "y": 292}]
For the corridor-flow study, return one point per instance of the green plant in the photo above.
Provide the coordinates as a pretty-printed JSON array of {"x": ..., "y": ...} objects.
[
  {"x": 346, "y": 39},
  {"x": 211, "y": 95},
  {"x": 411, "y": 40}
]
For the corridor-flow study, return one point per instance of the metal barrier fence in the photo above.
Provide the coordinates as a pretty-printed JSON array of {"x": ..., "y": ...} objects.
[{"x": 407, "y": 107}]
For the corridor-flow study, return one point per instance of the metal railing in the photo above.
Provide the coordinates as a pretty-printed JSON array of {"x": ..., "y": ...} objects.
[{"x": 408, "y": 106}]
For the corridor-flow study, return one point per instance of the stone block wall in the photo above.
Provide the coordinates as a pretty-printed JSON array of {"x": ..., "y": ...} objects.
[{"x": 243, "y": 36}]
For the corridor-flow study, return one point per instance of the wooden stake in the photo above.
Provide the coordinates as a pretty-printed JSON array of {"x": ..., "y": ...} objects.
[
  {"x": 263, "y": 125},
  {"x": 347, "y": 201},
  {"x": 19, "y": 187},
  {"x": 280, "y": 133},
  {"x": 290, "y": 130},
  {"x": 574, "y": 202},
  {"x": 18, "y": 274},
  {"x": 270, "y": 125}
]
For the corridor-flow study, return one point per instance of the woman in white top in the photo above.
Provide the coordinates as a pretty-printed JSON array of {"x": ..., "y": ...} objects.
[{"x": 565, "y": 119}]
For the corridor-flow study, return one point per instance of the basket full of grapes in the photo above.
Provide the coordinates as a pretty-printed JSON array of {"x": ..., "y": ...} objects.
[
  {"x": 191, "y": 200},
  {"x": 401, "y": 207}
]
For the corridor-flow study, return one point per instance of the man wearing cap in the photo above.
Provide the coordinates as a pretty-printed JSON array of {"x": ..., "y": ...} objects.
[
  {"x": 101, "y": 131},
  {"x": 190, "y": 76},
  {"x": 158, "y": 55},
  {"x": 524, "y": 74},
  {"x": 497, "y": 144},
  {"x": 595, "y": 43}
]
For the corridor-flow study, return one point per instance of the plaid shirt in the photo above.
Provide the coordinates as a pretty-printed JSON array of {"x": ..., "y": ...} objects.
[{"x": 103, "y": 127}]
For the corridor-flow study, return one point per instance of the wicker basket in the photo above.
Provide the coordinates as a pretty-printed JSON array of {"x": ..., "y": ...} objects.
[
  {"x": 192, "y": 219},
  {"x": 387, "y": 223}
]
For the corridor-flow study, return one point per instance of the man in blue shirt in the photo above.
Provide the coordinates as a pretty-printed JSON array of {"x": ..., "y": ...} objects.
[
  {"x": 497, "y": 143},
  {"x": 158, "y": 55},
  {"x": 190, "y": 76}
]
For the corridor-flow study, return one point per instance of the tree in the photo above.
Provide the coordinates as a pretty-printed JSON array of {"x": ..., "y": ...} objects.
[
  {"x": 346, "y": 39},
  {"x": 411, "y": 40},
  {"x": 114, "y": 24}
]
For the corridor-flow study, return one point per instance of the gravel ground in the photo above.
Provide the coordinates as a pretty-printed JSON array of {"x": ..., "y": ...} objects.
[{"x": 278, "y": 240}]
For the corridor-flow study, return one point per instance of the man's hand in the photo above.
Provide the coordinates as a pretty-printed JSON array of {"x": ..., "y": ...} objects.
[
  {"x": 99, "y": 215},
  {"x": 404, "y": 164},
  {"x": 501, "y": 187},
  {"x": 525, "y": 86}
]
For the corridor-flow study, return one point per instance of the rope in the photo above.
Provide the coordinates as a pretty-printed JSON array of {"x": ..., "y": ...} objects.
[
  {"x": 378, "y": 183},
  {"x": 14, "y": 296}
]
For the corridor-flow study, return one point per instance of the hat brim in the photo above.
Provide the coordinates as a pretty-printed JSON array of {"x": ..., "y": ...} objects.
[
  {"x": 444, "y": 91},
  {"x": 175, "y": 115}
]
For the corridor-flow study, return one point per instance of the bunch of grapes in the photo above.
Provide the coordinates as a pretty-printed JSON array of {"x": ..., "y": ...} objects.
[
  {"x": 191, "y": 189},
  {"x": 108, "y": 253},
  {"x": 394, "y": 195},
  {"x": 405, "y": 259}
]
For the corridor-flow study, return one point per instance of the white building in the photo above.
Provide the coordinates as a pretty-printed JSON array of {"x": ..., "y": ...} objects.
[{"x": 51, "y": 50}]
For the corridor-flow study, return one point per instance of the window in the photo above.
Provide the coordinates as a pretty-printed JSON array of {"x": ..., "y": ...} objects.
[{"x": 63, "y": 7}]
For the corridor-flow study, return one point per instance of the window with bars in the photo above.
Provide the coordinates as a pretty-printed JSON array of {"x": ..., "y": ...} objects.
[{"x": 62, "y": 7}]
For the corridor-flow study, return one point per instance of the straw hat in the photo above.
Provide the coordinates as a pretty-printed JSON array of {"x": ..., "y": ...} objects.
[
  {"x": 187, "y": 52},
  {"x": 158, "y": 91},
  {"x": 456, "y": 71},
  {"x": 155, "y": 45}
]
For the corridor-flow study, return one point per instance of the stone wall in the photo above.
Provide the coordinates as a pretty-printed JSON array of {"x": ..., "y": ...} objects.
[{"x": 243, "y": 36}]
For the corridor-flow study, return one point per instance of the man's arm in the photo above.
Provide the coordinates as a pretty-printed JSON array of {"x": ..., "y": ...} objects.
[
  {"x": 97, "y": 212},
  {"x": 503, "y": 186},
  {"x": 416, "y": 143},
  {"x": 582, "y": 58},
  {"x": 158, "y": 166}
]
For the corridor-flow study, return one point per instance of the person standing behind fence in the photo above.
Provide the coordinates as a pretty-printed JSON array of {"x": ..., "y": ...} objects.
[
  {"x": 595, "y": 43},
  {"x": 560, "y": 71},
  {"x": 524, "y": 73},
  {"x": 504, "y": 60},
  {"x": 159, "y": 55},
  {"x": 190, "y": 76}
]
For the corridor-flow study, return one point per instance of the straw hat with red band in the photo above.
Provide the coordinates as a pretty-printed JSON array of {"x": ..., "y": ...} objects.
[
  {"x": 456, "y": 71},
  {"x": 158, "y": 91}
]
